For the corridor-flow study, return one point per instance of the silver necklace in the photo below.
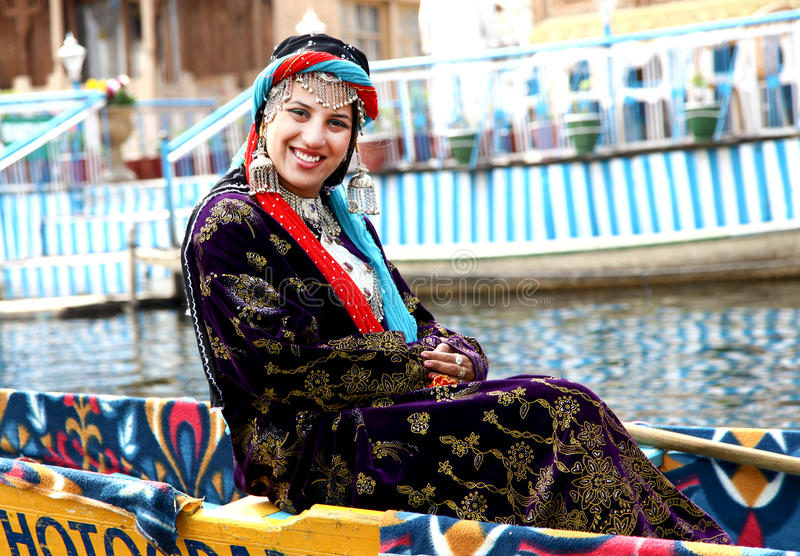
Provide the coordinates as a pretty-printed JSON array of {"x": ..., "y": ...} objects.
[
  {"x": 314, "y": 212},
  {"x": 323, "y": 223}
]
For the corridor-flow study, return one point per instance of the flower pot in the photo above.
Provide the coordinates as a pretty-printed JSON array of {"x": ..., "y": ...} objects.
[
  {"x": 701, "y": 119},
  {"x": 145, "y": 168},
  {"x": 583, "y": 129},
  {"x": 461, "y": 145},
  {"x": 544, "y": 135},
  {"x": 120, "y": 127},
  {"x": 373, "y": 154}
]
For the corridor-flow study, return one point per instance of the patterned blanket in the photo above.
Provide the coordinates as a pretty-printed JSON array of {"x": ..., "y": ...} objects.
[
  {"x": 152, "y": 458},
  {"x": 757, "y": 507},
  {"x": 183, "y": 449},
  {"x": 175, "y": 441}
]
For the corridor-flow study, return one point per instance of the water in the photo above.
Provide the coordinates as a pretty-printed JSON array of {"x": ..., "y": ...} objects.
[{"x": 701, "y": 355}]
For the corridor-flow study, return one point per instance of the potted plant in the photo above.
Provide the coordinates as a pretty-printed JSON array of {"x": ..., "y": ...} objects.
[
  {"x": 119, "y": 103},
  {"x": 462, "y": 139},
  {"x": 584, "y": 122},
  {"x": 701, "y": 109}
]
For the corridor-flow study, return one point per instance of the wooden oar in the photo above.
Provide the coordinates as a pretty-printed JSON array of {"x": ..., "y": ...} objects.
[{"x": 668, "y": 440}]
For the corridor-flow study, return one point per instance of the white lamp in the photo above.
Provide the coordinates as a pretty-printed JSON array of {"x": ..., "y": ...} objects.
[
  {"x": 311, "y": 23},
  {"x": 606, "y": 8},
  {"x": 72, "y": 56}
]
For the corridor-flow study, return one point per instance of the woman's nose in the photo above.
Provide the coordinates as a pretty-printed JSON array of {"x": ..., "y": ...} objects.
[{"x": 314, "y": 133}]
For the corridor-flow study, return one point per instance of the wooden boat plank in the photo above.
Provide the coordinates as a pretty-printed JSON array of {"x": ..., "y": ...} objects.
[{"x": 236, "y": 529}]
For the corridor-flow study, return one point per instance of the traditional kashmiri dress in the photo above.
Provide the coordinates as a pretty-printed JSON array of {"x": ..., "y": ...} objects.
[{"x": 322, "y": 413}]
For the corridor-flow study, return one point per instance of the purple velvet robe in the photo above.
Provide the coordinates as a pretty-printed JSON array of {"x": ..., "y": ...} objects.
[{"x": 320, "y": 413}]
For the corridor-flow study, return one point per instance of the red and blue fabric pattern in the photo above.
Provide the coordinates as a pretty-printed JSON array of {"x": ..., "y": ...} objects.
[{"x": 312, "y": 61}]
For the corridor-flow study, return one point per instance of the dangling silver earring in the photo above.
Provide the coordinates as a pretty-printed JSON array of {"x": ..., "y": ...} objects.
[
  {"x": 361, "y": 190},
  {"x": 263, "y": 176}
]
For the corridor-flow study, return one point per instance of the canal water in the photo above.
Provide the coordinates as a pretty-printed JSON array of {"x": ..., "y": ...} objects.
[{"x": 721, "y": 355}]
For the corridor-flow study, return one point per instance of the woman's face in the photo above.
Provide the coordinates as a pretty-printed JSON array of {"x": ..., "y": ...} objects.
[{"x": 307, "y": 141}]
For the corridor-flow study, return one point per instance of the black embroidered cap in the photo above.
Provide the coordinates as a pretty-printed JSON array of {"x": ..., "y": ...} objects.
[{"x": 321, "y": 43}]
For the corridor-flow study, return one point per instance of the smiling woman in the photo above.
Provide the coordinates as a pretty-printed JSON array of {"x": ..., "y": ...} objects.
[{"x": 339, "y": 387}]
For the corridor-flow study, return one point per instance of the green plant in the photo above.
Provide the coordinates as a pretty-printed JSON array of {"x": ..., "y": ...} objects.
[
  {"x": 123, "y": 97},
  {"x": 581, "y": 104},
  {"x": 460, "y": 122},
  {"x": 699, "y": 90},
  {"x": 698, "y": 80}
]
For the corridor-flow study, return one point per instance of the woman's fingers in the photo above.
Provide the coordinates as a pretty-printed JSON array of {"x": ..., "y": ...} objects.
[{"x": 444, "y": 361}]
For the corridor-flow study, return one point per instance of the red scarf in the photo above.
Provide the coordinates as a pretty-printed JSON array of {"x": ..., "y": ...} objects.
[{"x": 354, "y": 301}]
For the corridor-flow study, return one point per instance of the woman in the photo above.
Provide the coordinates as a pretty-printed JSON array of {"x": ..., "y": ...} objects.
[{"x": 336, "y": 383}]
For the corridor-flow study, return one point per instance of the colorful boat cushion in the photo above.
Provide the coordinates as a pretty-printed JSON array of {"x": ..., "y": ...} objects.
[
  {"x": 175, "y": 441},
  {"x": 755, "y": 506}
]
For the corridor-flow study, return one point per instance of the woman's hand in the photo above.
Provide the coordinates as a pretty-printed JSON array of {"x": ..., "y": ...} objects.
[{"x": 445, "y": 361}]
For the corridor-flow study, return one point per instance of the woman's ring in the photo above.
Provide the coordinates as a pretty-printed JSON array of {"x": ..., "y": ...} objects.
[
  {"x": 459, "y": 359},
  {"x": 462, "y": 373}
]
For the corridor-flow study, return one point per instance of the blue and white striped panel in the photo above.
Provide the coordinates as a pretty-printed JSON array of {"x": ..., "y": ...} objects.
[
  {"x": 660, "y": 196},
  {"x": 10, "y": 206},
  {"x": 108, "y": 277}
]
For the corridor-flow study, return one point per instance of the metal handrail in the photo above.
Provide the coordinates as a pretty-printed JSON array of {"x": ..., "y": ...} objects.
[
  {"x": 93, "y": 101},
  {"x": 206, "y": 128},
  {"x": 17, "y": 99}
]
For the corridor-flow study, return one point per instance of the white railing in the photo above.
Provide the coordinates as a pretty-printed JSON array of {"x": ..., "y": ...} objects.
[
  {"x": 516, "y": 100},
  {"x": 52, "y": 140}
]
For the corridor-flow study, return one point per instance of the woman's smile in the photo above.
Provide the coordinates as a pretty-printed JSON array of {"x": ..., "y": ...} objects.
[{"x": 306, "y": 156}]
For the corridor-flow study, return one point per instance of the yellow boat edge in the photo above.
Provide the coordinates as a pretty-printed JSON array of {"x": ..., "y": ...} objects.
[
  {"x": 57, "y": 526},
  {"x": 49, "y": 525}
]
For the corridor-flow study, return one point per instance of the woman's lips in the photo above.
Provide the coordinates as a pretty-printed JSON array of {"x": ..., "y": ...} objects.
[{"x": 307, "y": 157}]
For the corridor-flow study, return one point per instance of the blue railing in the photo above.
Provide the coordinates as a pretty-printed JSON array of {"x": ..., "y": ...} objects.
[{"x": 63, "y": 140}]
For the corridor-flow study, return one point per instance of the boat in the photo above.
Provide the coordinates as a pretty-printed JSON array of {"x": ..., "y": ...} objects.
[{"x": 100, "y": 474}]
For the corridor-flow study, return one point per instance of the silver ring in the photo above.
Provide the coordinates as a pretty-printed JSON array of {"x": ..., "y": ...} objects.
[
  {"x": 462, "y": 373},
  {"x": 459, "y": 359}
]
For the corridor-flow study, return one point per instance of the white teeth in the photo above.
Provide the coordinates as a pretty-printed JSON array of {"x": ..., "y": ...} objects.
[{"x": 306, "y": 158}]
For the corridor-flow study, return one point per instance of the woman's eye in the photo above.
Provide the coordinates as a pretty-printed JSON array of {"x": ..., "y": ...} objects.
[
  {"x": 299, "y": 112},
  {"x": 339, "y": 123}
]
